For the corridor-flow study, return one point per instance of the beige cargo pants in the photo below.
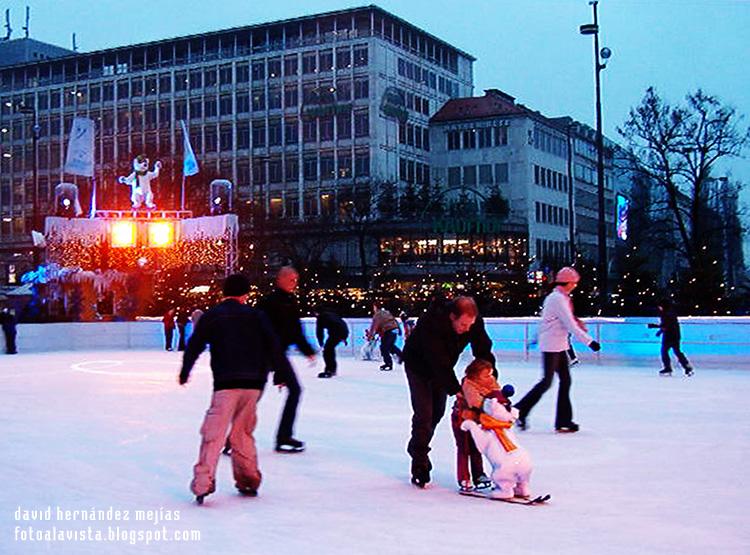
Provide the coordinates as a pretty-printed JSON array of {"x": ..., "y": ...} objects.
[{"x": 238, "y": 408}]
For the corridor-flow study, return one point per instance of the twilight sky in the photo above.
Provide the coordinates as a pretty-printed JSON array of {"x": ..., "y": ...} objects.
[{"x": 529, "y": 48}]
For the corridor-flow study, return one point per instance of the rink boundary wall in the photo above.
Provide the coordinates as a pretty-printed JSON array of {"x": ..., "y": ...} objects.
[{"x": 708, "y": 341}]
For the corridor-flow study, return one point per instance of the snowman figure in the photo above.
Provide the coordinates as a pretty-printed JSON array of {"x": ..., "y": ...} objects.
[{"x": 140, "y": 182}]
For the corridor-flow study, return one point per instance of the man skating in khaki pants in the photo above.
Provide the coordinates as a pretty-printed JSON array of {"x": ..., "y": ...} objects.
[{"x": 243, "y": 348}]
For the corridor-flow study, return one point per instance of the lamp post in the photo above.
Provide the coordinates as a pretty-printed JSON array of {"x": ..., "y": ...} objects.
[{"x": 599, "y": 65}]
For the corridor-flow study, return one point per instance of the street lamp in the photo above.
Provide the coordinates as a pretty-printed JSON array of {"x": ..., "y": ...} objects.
[{"x": 599, "y": 65}]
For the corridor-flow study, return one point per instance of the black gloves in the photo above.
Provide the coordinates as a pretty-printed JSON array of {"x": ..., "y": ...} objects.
[{"x": 594, "y": 346}]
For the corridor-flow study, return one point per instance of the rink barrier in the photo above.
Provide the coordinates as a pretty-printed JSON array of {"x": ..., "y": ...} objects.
[{"x": 723, "y": 339}]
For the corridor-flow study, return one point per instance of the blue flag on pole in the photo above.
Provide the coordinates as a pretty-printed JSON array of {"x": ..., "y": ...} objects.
[{"x": 189, "y": 162}]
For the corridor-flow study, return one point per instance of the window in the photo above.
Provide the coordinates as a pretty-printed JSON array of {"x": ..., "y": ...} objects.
[
  {"x": 310, "y": 167},
  {"x": 485, "y": 137},
  {"x": 290, "y": 96},
  {"x": 361, "y": 88},
  {"x": 343, "y": 58},
  {"x": 274, "y": 68},
  {"x": 259, "y": 100},
  {"x": 454, "y": 140},
  {"x": 243, "y": 73},
  {"x": 310, "y": 130},
  {"x": 165, "y": 83},
  {"x": 345, "y": 164},
  {"x": 274, "y": 171},
  {"x": 470, "y": 175},
  {"x": 501, "y": 173},
  {"x": 325, "y": 60},
  {"x": 485, "y": 174},
  {"x": 344, "y": 90},
  {"x": 292, "y": 169},
  {"x": 209, "y": 139},
  {"x": 327, "y": 170},
  {"x": 274, "y": 132},
  {"x": 259, "y": 133},
  {"x": 225, "y": 138},
  {"x": 290, "y": 65},
  {"x": 259, "y": 172},
  {"x": 196, "y": 79},
  {"x": 362, "y": 163},
  {"x": 180, "y": 81},
  {"x": 326, "y": 128},
  {"x": 360, "y": 56},
  {"x": 309, "y": 63},
  {"x": 225, "y": 75},
  {"x": 344, "y": 126},
  {"x": 470, "y": 138},
  {"x": 290, "y": 131},
  {"x": 454, "y": 176},
  {"x": 243, "y": 135},
  {"x": 361, "y": 123},
  {"x": 225, "y": 105},
  {"x": 123, "y": 90},
  {"x": 209, "y": 107},
  {"x": 259, "y": 71},
  {"x": 274, "y": 98},
  {"x": 209, "y": 77},
  {"x": 243, "y": 102}
]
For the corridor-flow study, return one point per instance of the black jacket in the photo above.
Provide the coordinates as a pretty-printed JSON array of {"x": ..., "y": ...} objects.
[
  {"x": 433, "y": 348},
  {"x": 669, "y": 325},
  {"x": 333, "y": 323},
  {"x": 243, "y": 347},
  {"x": 283, "y": 311}
]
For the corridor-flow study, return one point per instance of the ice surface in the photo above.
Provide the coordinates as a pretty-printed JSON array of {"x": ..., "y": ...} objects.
[{"x": 660, "y": 464}]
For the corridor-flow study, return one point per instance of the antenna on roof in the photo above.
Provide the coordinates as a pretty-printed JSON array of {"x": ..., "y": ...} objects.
[
  {"x": 26, "y": 28},
  {"x": 8, "y": 28},
  {"x": 75, "y": 46}
]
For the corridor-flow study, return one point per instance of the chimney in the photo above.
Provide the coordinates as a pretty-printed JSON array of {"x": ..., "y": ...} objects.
[{"x": 497, "y": 93}]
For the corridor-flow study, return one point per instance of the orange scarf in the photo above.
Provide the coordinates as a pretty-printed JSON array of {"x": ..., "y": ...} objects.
[{"x": 499, "y": 427}]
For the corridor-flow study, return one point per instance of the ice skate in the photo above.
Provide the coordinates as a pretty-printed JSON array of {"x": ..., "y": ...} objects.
[
  {"x": 568, "y": 428},
  {"x": 465, "y": 486},
  {"x": 290, "y": 445},
  {"x": 689, "y": 371},
  {"x": 665, "y": 372},
  {"x": 482, "y": 482}
]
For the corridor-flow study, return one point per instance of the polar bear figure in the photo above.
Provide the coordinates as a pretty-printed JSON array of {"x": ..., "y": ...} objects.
[
  {"x": 493, "y": 436},
  {"x": 140, "y": 180}
]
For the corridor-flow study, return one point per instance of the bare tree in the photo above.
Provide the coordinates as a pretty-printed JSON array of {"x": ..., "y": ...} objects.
[{"x": 677, "y": 149}]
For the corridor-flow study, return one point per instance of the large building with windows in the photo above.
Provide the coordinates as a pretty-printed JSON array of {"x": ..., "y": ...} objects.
[{"x": 306, "y": 117}]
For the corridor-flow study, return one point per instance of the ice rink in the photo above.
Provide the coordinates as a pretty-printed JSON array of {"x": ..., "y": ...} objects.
[{"x": 661, "y": 465}]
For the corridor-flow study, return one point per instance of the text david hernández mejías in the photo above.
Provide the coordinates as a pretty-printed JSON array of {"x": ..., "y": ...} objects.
[{"x": 54, "y": 524}]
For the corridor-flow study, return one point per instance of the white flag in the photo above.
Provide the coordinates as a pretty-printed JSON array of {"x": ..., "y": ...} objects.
[
  {"x": 189, "y": 162},
  {"x": 80, "y": 158}
]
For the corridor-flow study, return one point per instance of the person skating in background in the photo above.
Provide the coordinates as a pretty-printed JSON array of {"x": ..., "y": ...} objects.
[
  {"x": 283, "y": 311},
  {"x": 407, "y": 324},
  {"x": 194, "y": 317},
  {"x": 330, "y": 322},
  {"x": 168, "y": 321},
  {"x": 556, "y": 323},
  {"x": 182, "y": 322},
  {"x": 430, "y": 354},
  {"x": 8, "y": 321},
  {"x": 669, "y": 329},
  {"x": 478, "y": 382},
  {"x": 243, "y": 349},
  {"x": 386, "y": 326}
]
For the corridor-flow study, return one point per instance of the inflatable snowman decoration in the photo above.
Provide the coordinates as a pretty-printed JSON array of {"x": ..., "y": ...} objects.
[
  {"x": 493, "y": 436},
  {"x": 140, "y": 182}
]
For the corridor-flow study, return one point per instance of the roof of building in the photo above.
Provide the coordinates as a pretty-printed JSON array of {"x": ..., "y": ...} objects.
[
  {"x": 273, "y": 24},
  {"x": 27, "y": 50}
]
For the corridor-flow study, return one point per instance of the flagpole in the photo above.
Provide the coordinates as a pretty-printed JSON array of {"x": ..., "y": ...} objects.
[{"x": 182, "y": 192}]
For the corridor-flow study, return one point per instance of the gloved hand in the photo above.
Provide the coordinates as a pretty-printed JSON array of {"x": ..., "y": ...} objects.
[
  {"x": 182, "y": 379},
  {"x": 594, "y": 346}
]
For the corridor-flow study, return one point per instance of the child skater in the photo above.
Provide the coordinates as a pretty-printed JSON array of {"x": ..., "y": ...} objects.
[{"x": 475, "y": 386}]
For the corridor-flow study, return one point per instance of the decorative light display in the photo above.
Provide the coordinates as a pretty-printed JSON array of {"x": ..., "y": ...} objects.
[
  {"x": 160, "y": 234},
  {"x": 123, "y": 234}
]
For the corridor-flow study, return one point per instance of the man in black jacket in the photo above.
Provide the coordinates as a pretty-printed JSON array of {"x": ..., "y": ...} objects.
[
  {"x": 243, "y": 348},
  {"x": 338, "y": 331},
  {"x": 430, "y": 353},
  {"x": 669, "y": 329},
  {"x": 8, "y": 322},
  {"x": 282, "y": 310}
]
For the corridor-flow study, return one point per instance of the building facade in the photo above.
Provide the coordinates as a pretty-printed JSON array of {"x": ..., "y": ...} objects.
[{"x": 304, "y": 116}]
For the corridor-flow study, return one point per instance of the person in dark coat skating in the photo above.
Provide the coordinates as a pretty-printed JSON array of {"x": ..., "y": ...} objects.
[
  {"x": 338, "y": 331},
  {"x": 283, "y": 311},
  {"x": 430, "y": 354},
  {"x": 8, "y": 322},
  {"x": 669, "y": 329}
]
